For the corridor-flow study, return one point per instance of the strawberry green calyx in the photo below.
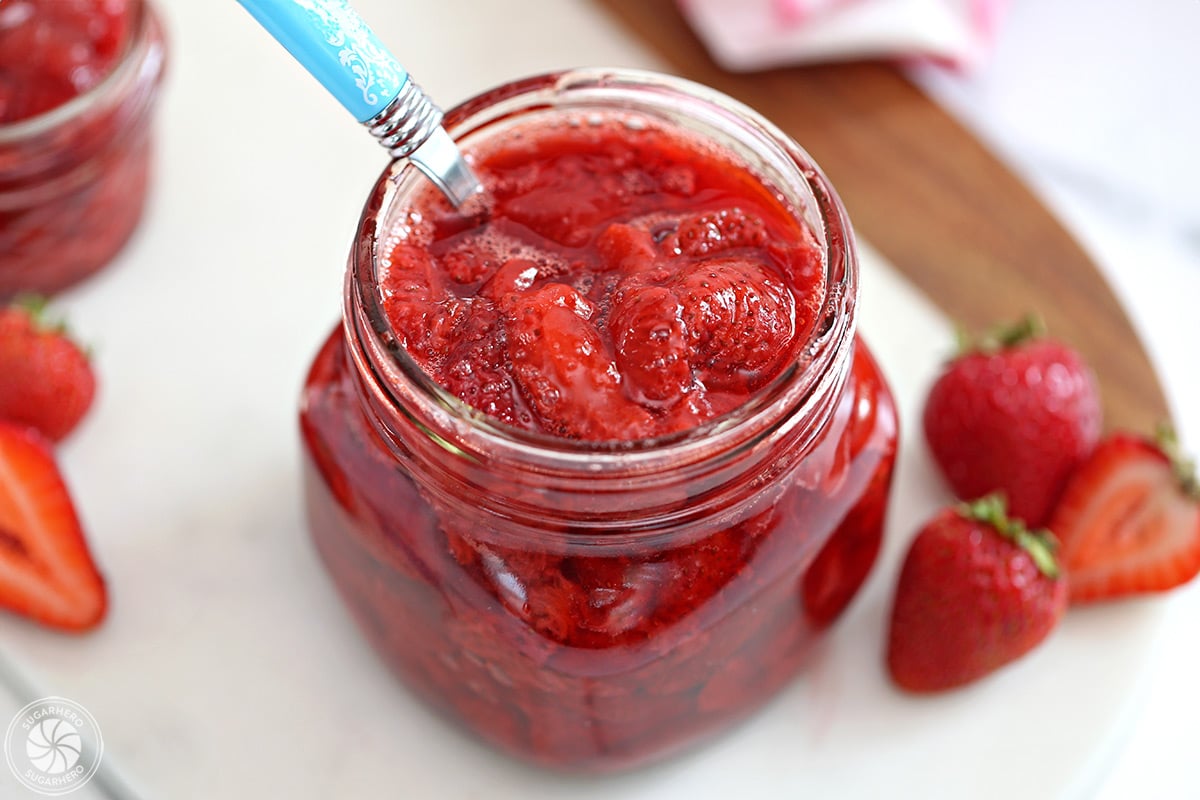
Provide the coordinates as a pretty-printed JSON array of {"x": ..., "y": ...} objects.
[
  {"x": 1182, "y": 467},
  {"x": 1000, "y": 337},
  {"x": 1040, "y": 544},
  {"x": 35, "y": 306}
]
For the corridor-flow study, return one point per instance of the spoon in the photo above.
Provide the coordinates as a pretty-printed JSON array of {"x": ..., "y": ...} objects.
[{"x": 332, "y": 42}]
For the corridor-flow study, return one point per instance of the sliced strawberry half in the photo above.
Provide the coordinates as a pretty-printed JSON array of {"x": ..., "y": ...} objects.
[
  {"x": 1129, "y": 520},
  {"x": 46, "y": 571}
]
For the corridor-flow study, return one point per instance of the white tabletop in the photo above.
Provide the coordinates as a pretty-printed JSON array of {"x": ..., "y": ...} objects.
[{"x": 1087, "y": 99}]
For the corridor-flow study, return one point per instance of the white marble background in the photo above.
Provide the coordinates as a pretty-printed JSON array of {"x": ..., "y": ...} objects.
[{"x": 1094, "y": 103}]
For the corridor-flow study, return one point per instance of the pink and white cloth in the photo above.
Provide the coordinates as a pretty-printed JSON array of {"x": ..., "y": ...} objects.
[{"x": 745, "y": 35}]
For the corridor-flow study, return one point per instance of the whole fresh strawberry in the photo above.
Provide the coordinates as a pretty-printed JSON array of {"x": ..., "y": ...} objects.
[
  {"x": 977, "y": 591},
  {"x": 1129, "y": 519},
  {"x": 46, "y": 571},
  {"x": 1013, "y": 413},
  {"x": 45, "y": 378}
]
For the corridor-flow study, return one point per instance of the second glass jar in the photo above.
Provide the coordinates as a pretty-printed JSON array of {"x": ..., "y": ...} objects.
[{"x": 74, "y": 179}]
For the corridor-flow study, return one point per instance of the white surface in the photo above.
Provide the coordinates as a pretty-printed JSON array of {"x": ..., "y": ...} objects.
[{"x": 228, "y": 668}]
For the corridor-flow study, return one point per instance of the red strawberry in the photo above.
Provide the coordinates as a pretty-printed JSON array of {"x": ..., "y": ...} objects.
[
  {"x": 977, "y": 591},
  {"x": 46, "y": 572},
  {"x": 1015, "y": 414},
  {"x": 1129, "y": 520},
  {"x": 45, "y": 379}
]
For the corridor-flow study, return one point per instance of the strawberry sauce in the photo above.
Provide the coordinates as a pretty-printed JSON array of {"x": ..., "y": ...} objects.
[
  {"x": 77, "y": 83},
  {"x": 629, "y": 283},
  {"x": 54, "y": 50}
]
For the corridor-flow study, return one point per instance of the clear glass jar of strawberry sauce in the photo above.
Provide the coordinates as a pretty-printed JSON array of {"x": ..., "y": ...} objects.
[
  {"x": 78, "y": 84},
  {"x": 590, "y": 603}
]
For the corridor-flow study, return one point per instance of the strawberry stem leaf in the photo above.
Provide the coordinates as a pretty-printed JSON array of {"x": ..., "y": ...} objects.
[
  {"x": 1184, "y": 468},
  {"x": 32, "y": 304},
  {"x": 964, "y": 342},
  {"x": 36, "y": 305},
  {"x": 1001, "y": 337},
  {"x": 1040, "y": 544}
]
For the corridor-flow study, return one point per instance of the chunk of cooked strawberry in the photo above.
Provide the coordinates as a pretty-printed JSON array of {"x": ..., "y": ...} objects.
[
  {"x": 563, "y": 371},
  {"x": 715, "y": 232},
  {"x": 646, "y": 326},
  {"x": 740, "y": 321},
  {"x": 626, "y": 247},
  {"x": 473, "y": 369},
  {"x": 468, "y": 264},
  {"x": 423, "y": 313},
  {"x": 699, "y": 571},
  {"x": 1129, "y": 520},
  {"x": 620, "y": 597},
  {"x": 45, "y": 378},
  {"x": 533, "y": 588},
  {"x": 46, "y": 571},
  {"x": 569, "y": 199},
  {"x": 514, "y": 277}
]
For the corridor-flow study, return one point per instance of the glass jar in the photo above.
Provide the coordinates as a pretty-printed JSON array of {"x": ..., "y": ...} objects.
[
  {"x": 73, "y": 179},
  {"x": 596, "y": 606}
]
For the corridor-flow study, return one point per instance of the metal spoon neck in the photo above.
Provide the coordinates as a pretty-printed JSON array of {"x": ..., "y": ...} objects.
[{"x": 410, "y": 126}]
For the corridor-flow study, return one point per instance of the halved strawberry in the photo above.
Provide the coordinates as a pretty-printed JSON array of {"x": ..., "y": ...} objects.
[
  {"x": 46, "y": 571},
  {"x": 45, "y": 378},
  {"x": 1129, "y": 520}
]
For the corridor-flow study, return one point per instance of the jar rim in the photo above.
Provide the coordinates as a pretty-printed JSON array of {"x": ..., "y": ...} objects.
[
  {"x": 128, "y": 66},
  {"x": 797, "y": 385}
]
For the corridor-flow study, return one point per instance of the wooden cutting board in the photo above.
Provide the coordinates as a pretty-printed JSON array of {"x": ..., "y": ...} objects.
[{"x": 934, "y": 201}]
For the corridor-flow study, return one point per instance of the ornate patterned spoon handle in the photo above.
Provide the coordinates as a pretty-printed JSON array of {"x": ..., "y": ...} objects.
[{"x": 333, "y": 43}]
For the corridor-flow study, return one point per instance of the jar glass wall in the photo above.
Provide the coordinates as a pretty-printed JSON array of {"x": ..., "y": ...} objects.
[{"x": 599, "y": 605}]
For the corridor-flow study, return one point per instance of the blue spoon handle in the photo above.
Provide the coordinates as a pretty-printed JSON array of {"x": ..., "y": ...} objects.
[{"x": 332, "y": 42}]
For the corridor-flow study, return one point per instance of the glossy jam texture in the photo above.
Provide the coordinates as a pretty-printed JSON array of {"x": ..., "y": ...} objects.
[
  {"x": 500, "y": 600},
  {"x": 627, "y": 283},
  {"x": 78, "y": 81}
]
